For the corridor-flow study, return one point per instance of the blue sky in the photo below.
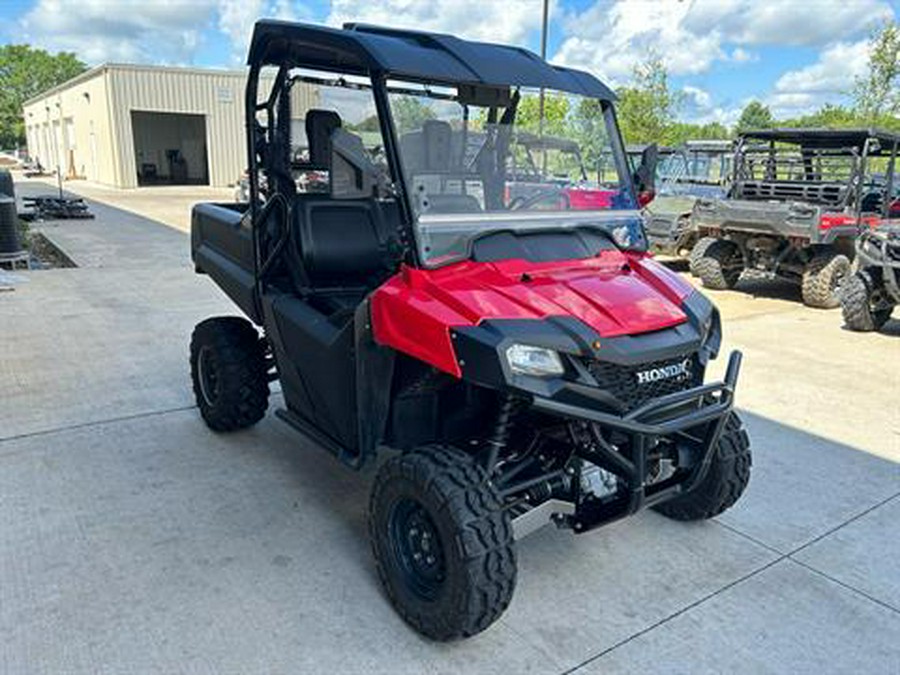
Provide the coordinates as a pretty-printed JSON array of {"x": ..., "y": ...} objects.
[{"x": 793, "y": 55}]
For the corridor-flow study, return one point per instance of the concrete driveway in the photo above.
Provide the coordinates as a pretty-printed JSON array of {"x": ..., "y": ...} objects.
[{"x": 134, "y": 540}]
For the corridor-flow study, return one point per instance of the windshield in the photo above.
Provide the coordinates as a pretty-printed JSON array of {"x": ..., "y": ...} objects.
[
  {"x": 694, "y": 166},
  {"x": 473, "y": 166}
]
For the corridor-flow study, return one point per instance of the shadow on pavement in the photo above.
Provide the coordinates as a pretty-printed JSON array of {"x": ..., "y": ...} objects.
[
  {"x": 191, "y": 545},
  {"x": 775, "y": 289}
]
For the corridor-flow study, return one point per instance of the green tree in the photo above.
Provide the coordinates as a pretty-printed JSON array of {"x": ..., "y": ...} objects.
[
  {"x": 828, "y": 116},
  {"x": 877, "y": 93},
  {"x": 26, "y": 72},
  {"x": 369, "y": 124},
  {"x": 679, "y": 132},
  {"x": 647, "y": 107},
  {"x": 556, "y": 111},
  {"x": 755, "y": 115},
  {"x": 410, "y": 113},
  {"x": 589, "y": 128}
]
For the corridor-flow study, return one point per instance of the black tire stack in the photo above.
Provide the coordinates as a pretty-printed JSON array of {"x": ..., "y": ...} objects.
[
  {"x": 7, "y": 187},
  {"x": 10, "y": 243}
]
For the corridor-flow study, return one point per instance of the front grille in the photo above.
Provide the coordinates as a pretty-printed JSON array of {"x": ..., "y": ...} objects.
[{"x": 635, "y": 385}]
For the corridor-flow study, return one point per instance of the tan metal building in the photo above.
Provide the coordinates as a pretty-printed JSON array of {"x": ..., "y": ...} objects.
[{"x": 129, "y": 125}]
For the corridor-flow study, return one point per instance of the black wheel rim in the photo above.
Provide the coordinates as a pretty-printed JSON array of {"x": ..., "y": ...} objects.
[
  {"x": 207, "y": 376},
  {"x": 417, "y": 549}
]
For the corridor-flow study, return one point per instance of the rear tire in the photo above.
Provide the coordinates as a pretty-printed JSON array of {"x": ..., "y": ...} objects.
[
  {"x": 856, "y": 305},
  {"x": 442, "y": 542},
  {"x": 822, "y": 279},
  {"x": 719, "y": 265},
  {"x": 725, "y": 481},
  {"x": 229, "y": 373}
]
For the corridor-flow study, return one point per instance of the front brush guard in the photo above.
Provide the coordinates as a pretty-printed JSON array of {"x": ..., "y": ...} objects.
[{"x": 672, "y": 414}]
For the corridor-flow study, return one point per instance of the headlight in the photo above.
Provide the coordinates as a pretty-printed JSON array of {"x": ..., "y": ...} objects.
[
  {"x": 622, "y": 236},
  {"x": 527, "y": 360}
]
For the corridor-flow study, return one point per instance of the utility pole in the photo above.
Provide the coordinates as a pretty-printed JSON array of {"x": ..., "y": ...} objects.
[
  {"x": 543, "y": 57},
  {"x": 544, "y": 30},
  {"x": 541, "y": 99}
]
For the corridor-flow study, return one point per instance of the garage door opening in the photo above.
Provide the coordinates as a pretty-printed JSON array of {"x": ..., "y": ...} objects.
[{"x": 170, "y": 148}]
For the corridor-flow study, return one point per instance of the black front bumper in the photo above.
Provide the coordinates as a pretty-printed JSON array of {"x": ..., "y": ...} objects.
[{"x": 702, "y": 410}]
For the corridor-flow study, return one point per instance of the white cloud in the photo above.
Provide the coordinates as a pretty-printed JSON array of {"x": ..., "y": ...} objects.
[
  {"x": 166, "y": 31},
  {"x": 610, "y": 40},
  {"x": 236, "y": 19},
  {"x": 691, "y": 36},
  {"x": 830, "y": 78},
  {"x": 832, "y": 73},
  {"x": 742, "y": 55},
  {"x": 725, "y": 116},
  {"x": 148, "y": 31},
  {"x": 697, "y": 97},
  {"x": 700, "y": 108},
  {"x": 510, "y": 22},
  {"x": 804, "y": 22}
]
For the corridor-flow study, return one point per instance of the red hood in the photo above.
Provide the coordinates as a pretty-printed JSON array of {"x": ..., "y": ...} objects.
[{"x": 613, "y": 293}]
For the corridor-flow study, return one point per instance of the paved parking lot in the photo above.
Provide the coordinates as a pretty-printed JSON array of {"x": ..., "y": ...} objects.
[{"x": 133, "y": 539}]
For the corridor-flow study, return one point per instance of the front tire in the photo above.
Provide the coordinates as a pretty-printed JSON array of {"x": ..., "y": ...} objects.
[
  {"x": 229, "y": 373},
  {"x": 856, "y": 305},
  {"x": 697, "y": 252},
  {"x": 442, "y": 542},
  {"x": 822, "y": 279},
  {"x": 725, "y": 481},
  {"x": 719, "y": 265}
]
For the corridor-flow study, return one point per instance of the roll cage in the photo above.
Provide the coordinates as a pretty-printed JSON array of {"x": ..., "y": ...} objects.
[
  {"x": 828, "y": 167},
  {"x": 374, "y": 54}
]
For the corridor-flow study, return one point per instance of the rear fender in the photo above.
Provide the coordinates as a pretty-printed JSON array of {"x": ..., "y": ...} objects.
[{"x": 221, "y": 247}]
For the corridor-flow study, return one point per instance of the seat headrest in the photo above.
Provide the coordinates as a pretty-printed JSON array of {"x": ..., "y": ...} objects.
[
  {"x": 438, "y": 140},
  {"x": 320, "y": 124}
]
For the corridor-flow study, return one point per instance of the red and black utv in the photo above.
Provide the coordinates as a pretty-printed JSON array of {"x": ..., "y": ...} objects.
[{"x": 522, "y": 365}]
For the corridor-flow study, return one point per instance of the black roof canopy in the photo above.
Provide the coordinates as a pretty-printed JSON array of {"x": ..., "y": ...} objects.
[
  {"x": 826, "y": 138},
  {"x": 425, "y": 57}
]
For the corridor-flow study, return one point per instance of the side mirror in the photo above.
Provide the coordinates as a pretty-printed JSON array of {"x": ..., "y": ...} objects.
[
  {"x": 353, "y": 175},
  {"x": 644, "y": 197},
  {"x": 645, "y": 175}
]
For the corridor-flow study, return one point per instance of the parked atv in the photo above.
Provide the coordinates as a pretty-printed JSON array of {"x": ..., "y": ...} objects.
[
  {"x": 870, "y": 295},
  {"x": 798, "y": 198},
  {"x": 550, "y": 169},
  {"x": 523, "y": 366},
  {"x": 693, "y": 170}
]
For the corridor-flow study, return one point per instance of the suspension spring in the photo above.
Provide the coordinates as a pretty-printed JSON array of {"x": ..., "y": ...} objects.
[{"x": 506, "y": 413}]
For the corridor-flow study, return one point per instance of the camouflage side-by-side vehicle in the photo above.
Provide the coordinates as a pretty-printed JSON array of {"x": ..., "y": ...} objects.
[
  {"x": 798, "y": 199},
  {"x": 693, "y": 170}
]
